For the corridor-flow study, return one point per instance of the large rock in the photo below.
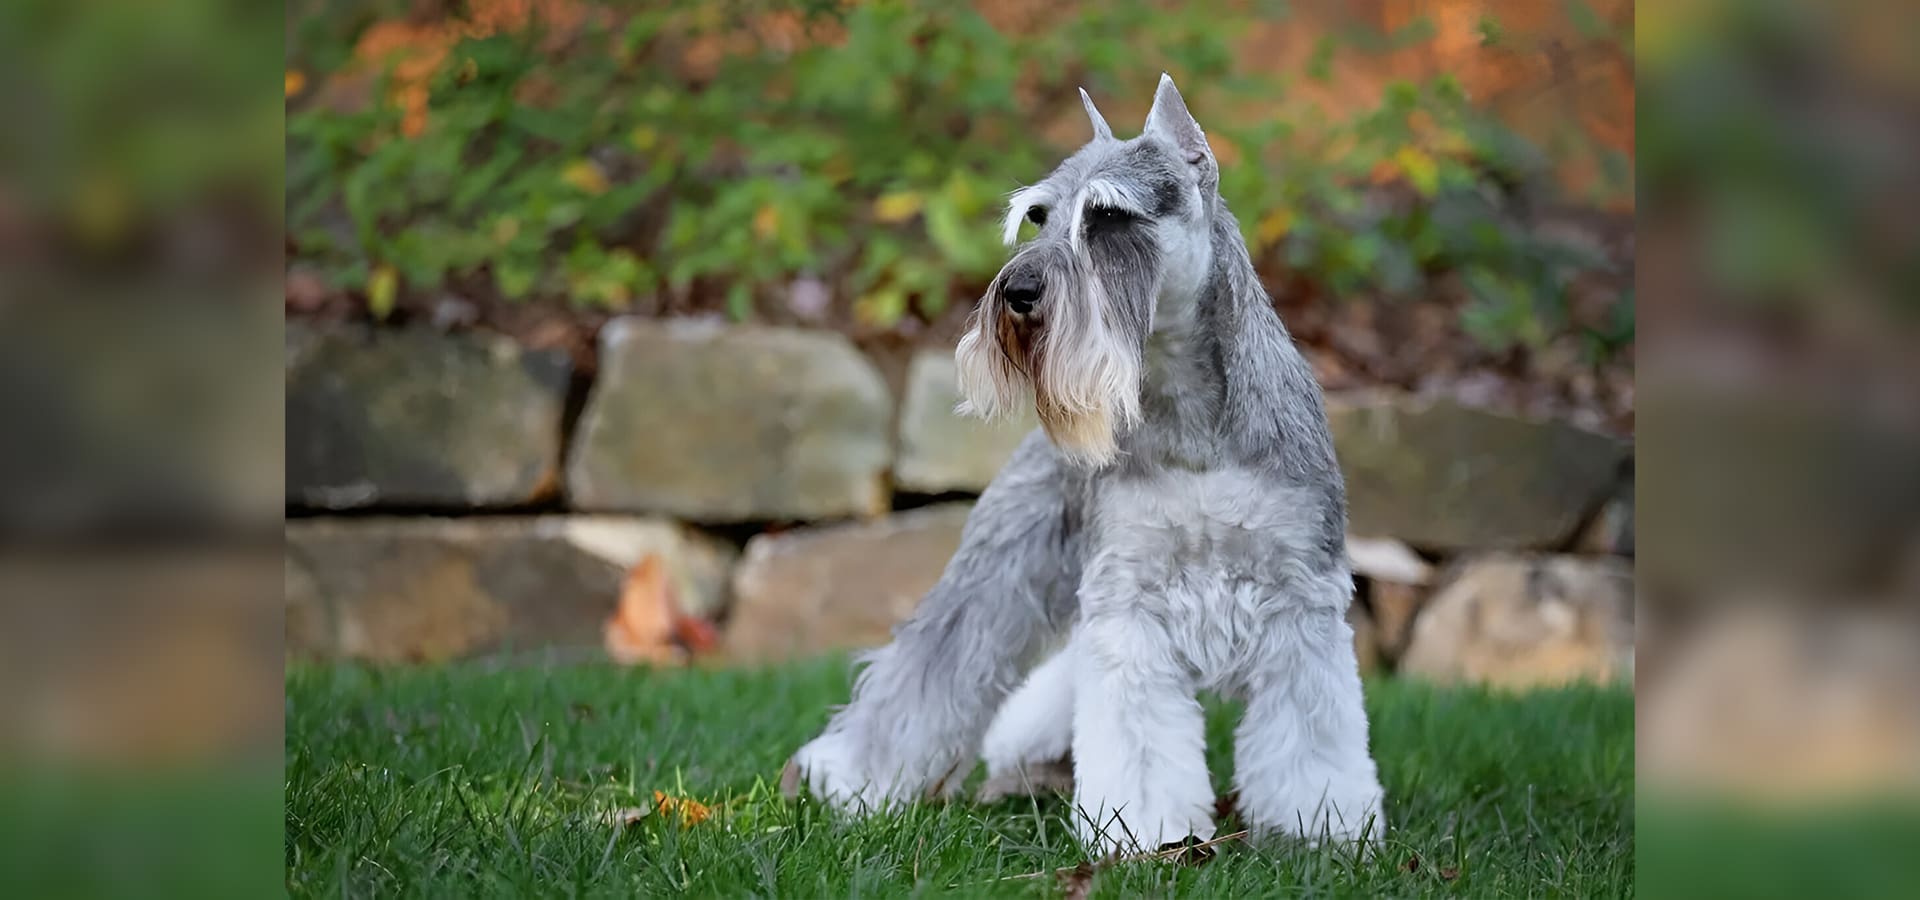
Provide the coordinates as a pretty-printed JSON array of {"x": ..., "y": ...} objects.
[
  {"x": 1522, "y": 621},
  {"x": 941, "y": 450},
  {"x": 417, "y": 419},
  {"x": 418, "y": 589},
  {"x": 728, "y": 424},
  {"x": 817, "y": 590},
  {"x": 1442, "y": 476}
]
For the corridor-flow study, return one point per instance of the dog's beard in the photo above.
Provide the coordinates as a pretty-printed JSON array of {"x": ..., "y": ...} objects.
[{"x": 1080, "y": 367}]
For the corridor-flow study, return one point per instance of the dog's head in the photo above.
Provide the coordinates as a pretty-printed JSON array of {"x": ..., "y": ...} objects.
[{"x": 1124, "y": 236}]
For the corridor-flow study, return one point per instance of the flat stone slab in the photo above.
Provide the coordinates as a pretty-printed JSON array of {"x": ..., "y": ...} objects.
[
  {"x": 1447, "y": 477},
  {"x": 940, "y": 450},
  {"x": 812, "y": 591},
  {"x": 416, "y": 419},
  {"x": 717, "y": 423},
  {"x": 424, "y": 590}
]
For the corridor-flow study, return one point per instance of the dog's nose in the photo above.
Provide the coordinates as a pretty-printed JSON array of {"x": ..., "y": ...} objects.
[{"x": 1022, "y": 291}]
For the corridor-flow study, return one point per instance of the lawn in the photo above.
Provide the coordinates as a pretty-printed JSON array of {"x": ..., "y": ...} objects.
[{"x": 474, "y": 780}]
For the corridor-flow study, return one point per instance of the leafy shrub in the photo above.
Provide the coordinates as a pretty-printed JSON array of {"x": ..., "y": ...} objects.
[{"x": 726, "y": 148}]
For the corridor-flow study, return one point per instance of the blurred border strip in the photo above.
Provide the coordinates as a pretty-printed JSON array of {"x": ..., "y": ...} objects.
[{"x": 1779, "y": 478}]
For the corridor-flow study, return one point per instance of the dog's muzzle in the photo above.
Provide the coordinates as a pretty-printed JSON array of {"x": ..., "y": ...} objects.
[{"x": 1021, "y": 290}]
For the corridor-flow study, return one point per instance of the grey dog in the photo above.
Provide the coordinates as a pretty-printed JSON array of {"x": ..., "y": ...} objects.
[{"x": 1177, "y": 525}]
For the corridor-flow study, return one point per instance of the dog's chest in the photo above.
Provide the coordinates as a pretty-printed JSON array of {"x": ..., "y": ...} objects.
[
  {"x": 1209, "y": 555},
  {"x": 1217, "y": 527}
]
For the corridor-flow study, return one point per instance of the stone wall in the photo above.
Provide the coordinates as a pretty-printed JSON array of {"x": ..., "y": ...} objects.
[{"x": 454, "y": 495}]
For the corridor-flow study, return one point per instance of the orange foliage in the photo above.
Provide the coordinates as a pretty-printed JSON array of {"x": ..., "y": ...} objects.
[{"x": 416, "y": 50}]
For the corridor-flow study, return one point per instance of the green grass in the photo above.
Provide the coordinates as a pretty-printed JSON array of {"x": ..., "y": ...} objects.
[{"x": 472, "y": 781}]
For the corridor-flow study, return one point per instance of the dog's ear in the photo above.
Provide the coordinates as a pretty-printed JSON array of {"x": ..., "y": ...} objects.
[
  {"x": 1100, "y": 130},
  {"x": 1169, "y": 119}
]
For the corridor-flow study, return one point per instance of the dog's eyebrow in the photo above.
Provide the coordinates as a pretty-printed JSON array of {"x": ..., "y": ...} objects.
[
  {"x": 1101, "y": 192},
  {"x": 1017, "y": 205}
]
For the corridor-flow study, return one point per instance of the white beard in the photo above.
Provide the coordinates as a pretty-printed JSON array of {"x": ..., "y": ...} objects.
[{"x": 1084, "y": 381}]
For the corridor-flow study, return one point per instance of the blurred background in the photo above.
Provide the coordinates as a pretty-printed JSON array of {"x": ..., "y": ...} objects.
[
  {"x": 1440, "y": 194},
  {"x": 624, "y": 330}
]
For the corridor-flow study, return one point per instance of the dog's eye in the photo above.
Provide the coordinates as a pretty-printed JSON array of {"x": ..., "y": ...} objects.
[
  {"x": 1037, "y": 215},
  {"x": 1107, "y": 217}
]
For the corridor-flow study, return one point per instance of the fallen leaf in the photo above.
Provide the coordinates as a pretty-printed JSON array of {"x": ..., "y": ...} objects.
[
  {"x": 296, "y": 81},
  {"x": 642, "y": 627},
  {"x": 627, "y": 815},
  {"x": 1412, "y": 864},
  {"x": 1075, "y": 883},
  {"x": 694, "y": 634},
  {"x": 1449, "y": 873},
  {"x": 691, "y": 812}
]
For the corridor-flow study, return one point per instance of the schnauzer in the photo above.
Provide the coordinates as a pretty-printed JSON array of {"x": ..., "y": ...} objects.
[{"x": 1179, "y": 527}]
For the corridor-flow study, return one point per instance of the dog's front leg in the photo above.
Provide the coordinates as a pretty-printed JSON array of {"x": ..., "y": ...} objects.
[
  {"x": 1139, "y": 736},
  {"x": 1301, "y": 761},
  {"x": 922, "y": 702}
]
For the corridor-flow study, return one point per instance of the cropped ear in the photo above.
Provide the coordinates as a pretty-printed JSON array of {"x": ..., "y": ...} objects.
[
  {"x": 1100, "y": 130},
  {"x": 1169, "y": 119}
]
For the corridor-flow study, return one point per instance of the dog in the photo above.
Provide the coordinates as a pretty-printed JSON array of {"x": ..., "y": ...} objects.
[{"x": 1177, "y": 524}]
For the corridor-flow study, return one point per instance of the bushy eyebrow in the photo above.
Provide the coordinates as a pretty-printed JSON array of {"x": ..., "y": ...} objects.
[
  {"x": 1017, "y": 205},
  {"x": 1101, "y": 192},
  {"x": 1117, "y": 195}
]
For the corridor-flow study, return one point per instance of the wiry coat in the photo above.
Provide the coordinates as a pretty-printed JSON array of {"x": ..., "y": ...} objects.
[{"x": 1179, "y": 526}]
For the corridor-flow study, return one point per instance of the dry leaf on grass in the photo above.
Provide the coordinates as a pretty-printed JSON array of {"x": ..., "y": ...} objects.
[
  {"x": 691, "y": 812},
  {"x": 684, "y": 810},
  {"x": 627, "y": 815},
  {"x": 1077, "y": 882}
]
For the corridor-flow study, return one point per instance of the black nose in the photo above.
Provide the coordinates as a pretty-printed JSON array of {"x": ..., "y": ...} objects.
[{"x": 1022, "y": 291}]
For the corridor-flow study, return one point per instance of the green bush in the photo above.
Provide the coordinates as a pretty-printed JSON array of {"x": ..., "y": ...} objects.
[{"x": 873, "y": 153}]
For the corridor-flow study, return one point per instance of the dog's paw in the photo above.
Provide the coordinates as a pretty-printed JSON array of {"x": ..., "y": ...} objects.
[
  {"x": 1138, "y": 827},
  {"x": 834, "y": 770},
  {"x": 1341, "y": 813}
]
